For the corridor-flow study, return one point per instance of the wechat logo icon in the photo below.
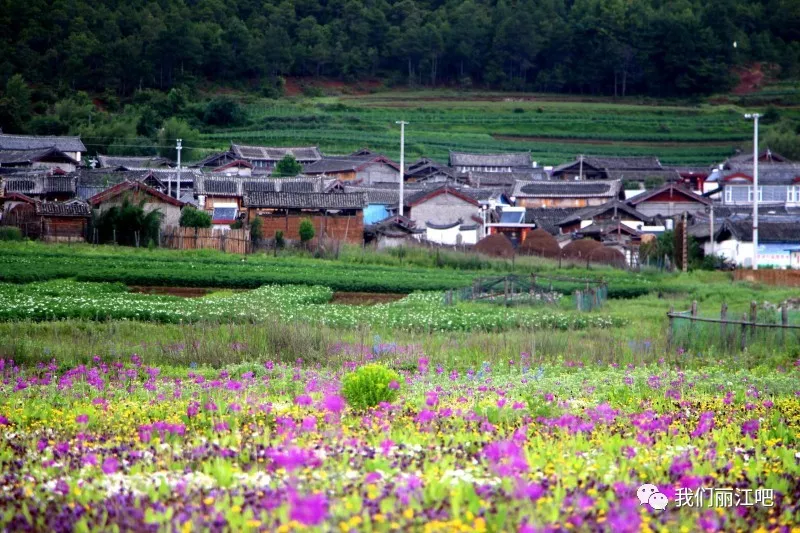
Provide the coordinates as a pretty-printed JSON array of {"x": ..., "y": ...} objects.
[{"x": 649, "y": 494}]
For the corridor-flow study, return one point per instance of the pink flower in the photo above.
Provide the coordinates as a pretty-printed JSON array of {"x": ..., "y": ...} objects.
[
  {"x": 334, "y": 403},
  {"x": 310, "y": 511},
  {"x": 110, "y": 465},
  {"x": 82, "y": 419},
  {"x": 750, "y": 428},
  {"x": 303, "y": 400}
]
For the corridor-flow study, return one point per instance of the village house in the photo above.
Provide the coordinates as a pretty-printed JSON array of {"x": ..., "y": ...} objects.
[
  {"x": 605, "y": 168},
  {"x": 365, "y": 169},
  {"x": 547, "y": 218},
  {"x": 335, "y": 215},
  {"x": 266, "y": 157},
  {"x": 778, "y": 242},
  {"x": 778, "y": 184},
  {"x": 72, "y": 147},
  {"x": 237, "y": 167},
  {"x": 48, "y": 221},
  {"x": 504, "y": 181},
  {"x": 562, "y": 194},
  {"x": 392, "y": 232},
  {"x": 614, "y": 213},
  {"x": 508, "y": 162},
  {"x": 38, "y": 159},
  {"x": 136, "y": 192},
  {"x": 41, "y": 186},
  {"x": 123, "y": 163},
  {"x": 429, "y": 171},
  {"x": 512, "y": 223},
  {"x": 382, "y": 202},
  {"x": 669, "y": 200}
]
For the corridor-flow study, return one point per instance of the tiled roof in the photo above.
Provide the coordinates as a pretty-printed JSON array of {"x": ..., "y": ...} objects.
[
  {"x": 237, "y": 186},
  {"x": 122, "y": 188},
  {"x": 132, "y": 163},
  {"x": 23, "y": 157},
  {"x": 547, "y": 218},
  {"x": 770, "y": 229},
  {"x": 588, "y": 213},
  {"x": 624, "y": 163},
  {"x": 641, "y": 175},
  {"x": 305, "y": 200},
  {"x": 422, "y": 195},
  {"x": 350, "y": 163},
  {"x": 33, "y": 142},
  {"x": 504, "y": 179},
  {"x": 377, "y": 196},
  {"x": 566, "y": 189},
  {"x": 461, "y": 159},
  {"x": 669, "y": 187},
  {"x": 768, "y": 174},
  {"x": 746, "y": 158},
  {"x": 269, "y": 153},
  {"x": 73, "y": 208}
]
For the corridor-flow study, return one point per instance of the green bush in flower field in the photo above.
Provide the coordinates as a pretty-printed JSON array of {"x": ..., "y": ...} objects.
[{"x": 369, "y": 386}]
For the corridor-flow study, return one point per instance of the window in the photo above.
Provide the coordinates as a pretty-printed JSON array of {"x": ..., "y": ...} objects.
[
  {"x": 728, "y": 194},
  {"x": 224, "y": 213}
]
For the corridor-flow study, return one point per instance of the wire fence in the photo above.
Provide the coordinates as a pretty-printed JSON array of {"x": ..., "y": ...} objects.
[
  {"x": 530, "y": 290},
  {"x": 771, "y": 327}
]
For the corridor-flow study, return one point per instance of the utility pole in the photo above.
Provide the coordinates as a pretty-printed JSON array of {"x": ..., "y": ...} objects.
[
  {"x": 684, "y": 244},
  {"x": 402, "y": 161},
  {"x": 711, "y": 229},
  {"x": 755, "y": 117},
  {"x": 179, "y": 148},
  {"x": 580, "y": 171}
]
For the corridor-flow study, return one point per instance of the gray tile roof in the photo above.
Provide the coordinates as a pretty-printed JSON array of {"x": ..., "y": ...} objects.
[
  {"x": 237, "y": 185},
  {"x": 567, "y": 189},
  {"x": 769, "y": 174},
  {"x": 132, "y": 163},
  {"x": 624, "y": 163},
  {"x": 770, "y": 229},
  {"x": 377, "y": 196},
  {"x": 305, "y": 200},
  {"x": 23, "y": 157},
  {"x": 587, "y": 213},
  {"x": 462, "y": 159},
  {"x": 349, "y": 163},
  {"x": 547, "y": 218},
  {"x": 303, "y": 154},
  {"x": 33, "y": 142},
  {"x": 669, "y": 175},
  {"x": 504, "y": 179}
]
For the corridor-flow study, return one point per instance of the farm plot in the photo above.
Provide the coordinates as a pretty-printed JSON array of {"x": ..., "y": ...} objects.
[{"x": 64, "y": 299}]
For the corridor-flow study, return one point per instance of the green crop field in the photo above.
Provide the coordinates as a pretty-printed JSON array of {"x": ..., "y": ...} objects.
[{"x": 554, "y": 129}]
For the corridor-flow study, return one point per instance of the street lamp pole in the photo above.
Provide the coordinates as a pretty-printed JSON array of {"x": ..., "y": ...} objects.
[
  {"x": 402, "y": 161},
  {"x": 755, "y": 117}
]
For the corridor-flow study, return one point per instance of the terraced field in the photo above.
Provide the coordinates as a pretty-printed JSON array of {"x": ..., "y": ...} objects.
[{"x": 553, "y": 129}]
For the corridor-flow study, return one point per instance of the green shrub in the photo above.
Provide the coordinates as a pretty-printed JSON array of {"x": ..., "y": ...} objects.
[
  {"x": 194, "y": 218},
  {"x": 256, "y": 229},
  {"x": 369, "y": 386},
  {"x": 10, "y": 233},
  {"x": 306, "y": 230},
  {"x": 280, "y": 242}
]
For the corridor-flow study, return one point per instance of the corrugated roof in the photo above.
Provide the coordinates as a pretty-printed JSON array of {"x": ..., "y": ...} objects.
[{"x": 305, "y": 200}]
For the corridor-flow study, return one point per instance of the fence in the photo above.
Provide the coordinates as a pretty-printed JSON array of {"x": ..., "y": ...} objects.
[
  {"x": 515, "y": 289},
  {"x": 235, "y": 241},
  {"x": 770, "y": 328},
  {"x": 787, "y": 278}
]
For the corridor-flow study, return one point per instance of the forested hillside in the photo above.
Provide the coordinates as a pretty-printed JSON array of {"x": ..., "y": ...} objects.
[{"x": 652, "y": 47}]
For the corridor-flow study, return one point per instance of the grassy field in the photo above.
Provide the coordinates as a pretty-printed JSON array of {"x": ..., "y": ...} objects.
[{"x": 555, "y": 129}]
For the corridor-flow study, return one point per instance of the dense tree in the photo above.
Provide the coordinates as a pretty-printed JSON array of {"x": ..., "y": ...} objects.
[
  {"x": 682, "y": 47},
  {"x": 287, "y": 167},
  {"x": 194, "y": 218}
]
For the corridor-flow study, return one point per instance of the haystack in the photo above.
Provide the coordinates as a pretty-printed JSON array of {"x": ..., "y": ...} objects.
[
  {"x": 581, "y": 250},
  {"x": 541, "y": 244},
  {"x": 496, "y": 245}
]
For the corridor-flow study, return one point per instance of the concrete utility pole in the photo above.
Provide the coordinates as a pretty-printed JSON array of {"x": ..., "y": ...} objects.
[
  {"x": 580, "y": 171},
  {"x": 711, "y": 229},
  {"x": 402, "y": 161},
  {"x": 755, "y": 117},
  {"x": 179, "y": 148}
]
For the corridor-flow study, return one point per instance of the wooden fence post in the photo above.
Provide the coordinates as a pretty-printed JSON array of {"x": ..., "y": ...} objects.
[
  {"x": 578, "y": 299},
  {"x": 669, "y": 331},
  {"x": 505, "y": 290},
  {"x": 784, "y": 322},
  {"x": 744, "y": 331},
  {"x": 723, "y": 327},
  {"x": 753, "y": 317}
]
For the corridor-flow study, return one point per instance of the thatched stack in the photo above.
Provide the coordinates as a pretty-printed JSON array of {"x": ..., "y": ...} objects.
[
  {"x": 496, "y": 245},
  {"x": 541, "y": 244},
  {"x": 582, "y": 250}
]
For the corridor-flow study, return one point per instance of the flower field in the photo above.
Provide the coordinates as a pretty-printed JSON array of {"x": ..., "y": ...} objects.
[
  {"x": 523, "y": 446},
  {"x": 61, "y": 299}
]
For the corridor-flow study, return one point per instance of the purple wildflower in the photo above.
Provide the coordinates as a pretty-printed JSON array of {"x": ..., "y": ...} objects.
[
  {"x": 82, "y": 419},
  {"x": 110, "y": 465},
  {"x": 310, "y": 511},
  {"x": 750, "y": 428}
]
